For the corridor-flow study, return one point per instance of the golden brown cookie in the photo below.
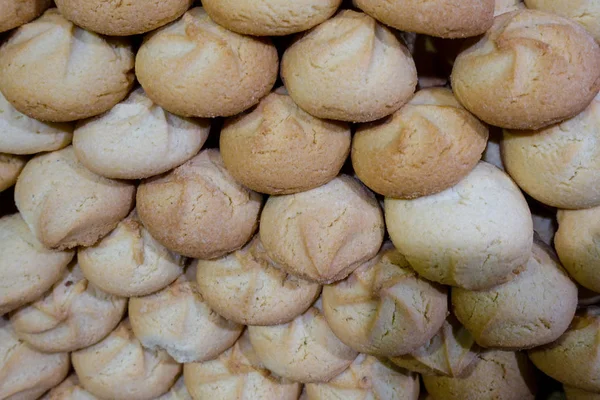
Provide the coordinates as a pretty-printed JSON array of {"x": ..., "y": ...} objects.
[
  {"x": 584, "y": 12},
  {"x": 16, "y": 13}
]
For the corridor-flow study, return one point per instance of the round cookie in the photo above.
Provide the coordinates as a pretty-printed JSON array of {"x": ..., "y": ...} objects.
[
  {"x": 558, "y": 165},
  {"x": 520, "y": 314},
  {"x": 69, "y": 389},
  {"x": 270, "y": 17},
  {"x": 16, "y": 13},
  {"x": 349, "y": 68},
  {"x": 573, "y": 358},
  {"x": 304, "y": 350},
  {"x": 25, "y": 373},
  {"x": 247, "y": 287},
  {"x": 496, "y": 374},
  {"x": 442, "y": 18},
  {"x": 384, "y": 308},
  {"x": 10, "y": 169},
  {"x": 20, "y": 134},
  {"x": 584, "y": 12},
  {"x": 129, "y": 262},
  {"x": 137, "y": 139},
  {"x": 504, "y": 6},
  {"x": 237, "y": 374},
  {"x": 233, "y": 70},
  {"x": 577, "y": 243},
  {"x": 53, "y": 70},
  {"x": 277, "y": 148},
  {"x": 65, "y": 204},
  {"x": 475, "y": 235},
  {"x": 122, "y": 19},
  {"x": 73, "y": 315},
  {"x": 119, "y": 367},
  {"x": 178, "y": 320},
  {"x": 27, "y": 268},
  {"x": 530, "y": 70},
  {"x": 573, "y": 393},
  {"x": 427, "y": 146},
  {"x": 449, "y": 353},
  {"x": 198, "y": 209},
  {"x": 367, "y": 378},
  {"x": 325, "y": 233}
]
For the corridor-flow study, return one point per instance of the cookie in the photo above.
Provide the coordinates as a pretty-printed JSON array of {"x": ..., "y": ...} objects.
[
  {"x": 16, "y": 13},
  {"x": 584, "y": 12},
  {"x": 10, "y": 168}
]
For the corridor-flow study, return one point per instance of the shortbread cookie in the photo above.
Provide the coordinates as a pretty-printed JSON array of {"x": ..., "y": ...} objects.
[
  {"x": 198, "y": 209},
  {"x": 52, "y": 70},
  {"x": 233, "y": 71},
  {"x": 530, "y": 70},
  {"x": 16, "y": 13},
  {"x": 67, "y": 205},
  {"x": 349, "y": 68},
  {"x": 10, "y": 168},
  {"x": 584, "y": 12}
]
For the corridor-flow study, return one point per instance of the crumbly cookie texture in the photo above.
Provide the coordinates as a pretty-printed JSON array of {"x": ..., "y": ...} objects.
[
  {"x": 475, "y": 235},
  {"x": 66, "y": 205},
  {"x": 247, "y": 287},
  {"x": 520, "y": 314},
  {"x": 349, "y": 68},
  {"x": 530, "y": 70},
  {"x": 427, "y": 146},
  {"x": 194, "y": 331},
  {"x": 234, "y": 71},
  {"x": 384, "y": 308},
  {"x": 277, "y": 148},
  {"x": 325, "y": 233},
  {"x": 237, "y": 374},
  {"x": 449, "y": 353},
  {"x": 367, "y": 378},
  {"x": 184, "y": 208}
]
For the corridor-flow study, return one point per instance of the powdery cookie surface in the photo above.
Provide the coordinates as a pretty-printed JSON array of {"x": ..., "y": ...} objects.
[
  {"x": 25, "y": 373},
  {"x": 474, "y": 235},
  {"x": 16, "y": 13},
  {"x": 349, "y": 68},
  {"x": 233, "y": 70},
  {"x": 10, "y": 168},
  {"x": 325, "y": 233},
  {"x": 584, "y": 12},
  {"x": 304, "y": 350},
  {"x": 20, "y": 134},
  {"x": 278, "y": 148},
  {"x": 129, "y": 262},
  {"x": 137, "y": 139},
  {"x": 367, "y": 378},
  {"x": 27, "y": 268},
  {"x": 247, "y": 287},
  {"x": 122, "y": 19},
  {"x": 449, "y": 353},
  {"x": 531, "y": 69},
  {"x": 270, "y": 17},
  {"x": 573, "y": 358},
  {"x": 53, "y": 70},
  {"x": 119, "y": 368},
  {"x": 533, "y": 309},
  {"x": 495, "y": 374},
  {"x": 558, "y": 165},
  {"x": 237, "y": 374},
  {"x": 178, "y": 320},
  {"x": 74, "y": 314},
  {"x": 443, "y": 18},
  {"x": 384, "y": 308},
  {"x": 65, "y": 204},
  {"x": 198, "y": 209},
  {"x": 577, "y": 244},
  {"x": 427, "y": 146}
]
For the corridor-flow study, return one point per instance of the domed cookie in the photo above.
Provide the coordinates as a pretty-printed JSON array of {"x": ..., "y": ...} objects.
[
  {"x": 475, "y": 235},
  {"x": 349, "y": 68},
  {"x": 584, "y": 12},
  {"x": 53, "y": 70},
  {"x": 198, "y": 209},
  {"x": 233, "y": 70},
  {"x": 10, "y": 168},
  {"x": 530, "y": 70},
  {"x": 16, "y": 13}
]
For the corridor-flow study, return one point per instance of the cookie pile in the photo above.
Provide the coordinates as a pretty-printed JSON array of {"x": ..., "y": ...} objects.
[{"x": 284, "y": 200}]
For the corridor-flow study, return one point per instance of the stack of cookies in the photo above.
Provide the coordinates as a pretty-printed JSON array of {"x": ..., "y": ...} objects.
[{"x": 312, "y": 199}]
